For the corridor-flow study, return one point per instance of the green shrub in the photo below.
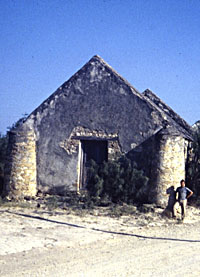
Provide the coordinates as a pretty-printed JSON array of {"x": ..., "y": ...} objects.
[
  {"x": 52, "y": 203},
  {"x": 118, "y": 181}
]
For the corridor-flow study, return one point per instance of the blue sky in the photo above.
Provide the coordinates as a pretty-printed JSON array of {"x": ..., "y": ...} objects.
[{"x": 153, "y": 44}]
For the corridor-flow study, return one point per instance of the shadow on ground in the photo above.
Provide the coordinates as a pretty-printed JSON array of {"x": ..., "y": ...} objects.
[{"x": 99, "y": 230}]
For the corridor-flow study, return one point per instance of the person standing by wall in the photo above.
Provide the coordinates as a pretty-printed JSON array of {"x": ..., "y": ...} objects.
[{"x": 182, "y": 194}]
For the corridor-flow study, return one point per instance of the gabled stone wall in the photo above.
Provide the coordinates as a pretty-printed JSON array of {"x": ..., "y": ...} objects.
[{"x": 101, "y": 104}]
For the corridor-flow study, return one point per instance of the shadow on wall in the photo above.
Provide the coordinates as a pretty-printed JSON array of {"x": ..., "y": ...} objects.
[
  {"x": 172, "y": 198},
  {"x": 145, "y": 157}
]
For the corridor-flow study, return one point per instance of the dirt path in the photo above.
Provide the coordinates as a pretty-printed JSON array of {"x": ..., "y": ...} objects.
[{"x": 37, "y": 243}]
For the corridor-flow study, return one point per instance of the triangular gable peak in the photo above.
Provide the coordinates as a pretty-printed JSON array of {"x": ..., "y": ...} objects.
[
  {"x": 96, "y": 71},
  {"x": 96, "y": 64},
  {"x": 93, "y": 73}
]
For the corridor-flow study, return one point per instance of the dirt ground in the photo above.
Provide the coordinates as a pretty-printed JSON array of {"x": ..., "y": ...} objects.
[{"x": 37, "y": 242}]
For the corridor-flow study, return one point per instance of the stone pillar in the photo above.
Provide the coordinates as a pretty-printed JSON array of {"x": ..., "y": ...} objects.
[
  {"x": 170, "y": 169},
  {"x": 20, "y": 168}
]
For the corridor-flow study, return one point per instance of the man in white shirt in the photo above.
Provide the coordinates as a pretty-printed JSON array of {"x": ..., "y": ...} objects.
[{"x": 182, "y": 194}]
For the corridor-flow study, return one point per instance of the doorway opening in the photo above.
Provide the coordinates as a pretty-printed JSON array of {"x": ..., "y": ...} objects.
[{"x": 96, "y": 150}]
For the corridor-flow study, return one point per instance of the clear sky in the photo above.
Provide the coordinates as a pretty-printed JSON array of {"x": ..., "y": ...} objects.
[{"x": 153, "y": 44}]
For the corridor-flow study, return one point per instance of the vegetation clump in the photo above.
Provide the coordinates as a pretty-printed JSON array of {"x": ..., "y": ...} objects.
[
  {"x": 193, "y": 165},
  {"x": 3, "y": 147},
  {"x": 117, "y": 181}
]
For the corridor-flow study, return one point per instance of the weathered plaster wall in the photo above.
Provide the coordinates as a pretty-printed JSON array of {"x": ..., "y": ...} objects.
[
  {"x": 20, "y": 170},
  {"x": 94, "y": 99}
]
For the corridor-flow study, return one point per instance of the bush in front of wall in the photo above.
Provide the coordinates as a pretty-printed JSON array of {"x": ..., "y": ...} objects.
[{"x": 119, "y": 181}]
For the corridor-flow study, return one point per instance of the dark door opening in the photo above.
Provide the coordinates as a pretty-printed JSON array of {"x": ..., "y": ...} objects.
[{"x": 96, "y": 150}]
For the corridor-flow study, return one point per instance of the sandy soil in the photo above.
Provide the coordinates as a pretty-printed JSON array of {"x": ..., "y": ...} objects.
[{"x": 41, "y": 243}]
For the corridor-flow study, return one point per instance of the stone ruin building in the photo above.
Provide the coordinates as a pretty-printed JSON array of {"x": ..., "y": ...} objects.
[{"x": 96, "y": 114}]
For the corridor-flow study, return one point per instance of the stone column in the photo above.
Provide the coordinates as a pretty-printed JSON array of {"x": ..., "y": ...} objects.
[
  {"x": 170, "y": 169},
  {"x": 20, "y": 168}
]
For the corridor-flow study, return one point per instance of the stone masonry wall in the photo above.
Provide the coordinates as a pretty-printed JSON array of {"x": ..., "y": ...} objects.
[
  {"x": 20, "y": 168},
  {"x": 79, "y": 133}
]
